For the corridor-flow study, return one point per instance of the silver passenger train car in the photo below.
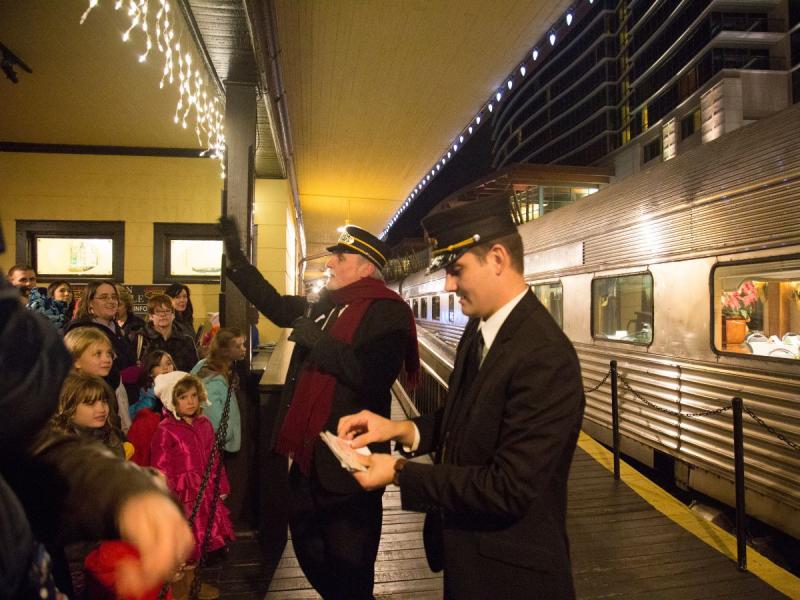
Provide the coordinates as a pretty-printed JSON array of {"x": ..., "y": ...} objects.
[{"x": 687, "y": 274}]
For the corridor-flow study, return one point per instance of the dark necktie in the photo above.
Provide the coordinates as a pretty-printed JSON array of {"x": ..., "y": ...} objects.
[{"x": 473, "y": 363}]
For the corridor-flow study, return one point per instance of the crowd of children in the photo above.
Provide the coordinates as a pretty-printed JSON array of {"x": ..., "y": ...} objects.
[{"x": 125, "y": 392}]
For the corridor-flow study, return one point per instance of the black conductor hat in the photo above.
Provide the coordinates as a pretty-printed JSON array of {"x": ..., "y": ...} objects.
[
  {"x": 453, "y": 231},
  {"x": 355, "y": 240}
]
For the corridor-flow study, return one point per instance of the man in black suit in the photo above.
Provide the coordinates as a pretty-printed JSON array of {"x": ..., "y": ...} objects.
[
  {"x": 350, "y": 345},
  {"x": 496, "y": 495}
]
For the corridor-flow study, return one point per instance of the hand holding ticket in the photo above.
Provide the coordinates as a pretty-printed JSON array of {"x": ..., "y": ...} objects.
[{"x": 344, "y": 451}]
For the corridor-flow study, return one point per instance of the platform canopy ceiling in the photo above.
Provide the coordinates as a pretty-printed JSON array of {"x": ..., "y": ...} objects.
[{"x": 376, "y": 90}]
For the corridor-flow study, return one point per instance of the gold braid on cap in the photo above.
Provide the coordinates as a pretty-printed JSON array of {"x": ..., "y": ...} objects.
[
  {"x": 473, "y": 239},
  {"x": 349, "y": 240}
]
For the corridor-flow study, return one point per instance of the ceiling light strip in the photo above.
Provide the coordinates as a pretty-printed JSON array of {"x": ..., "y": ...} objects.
[{"x": 551, "y": 37}]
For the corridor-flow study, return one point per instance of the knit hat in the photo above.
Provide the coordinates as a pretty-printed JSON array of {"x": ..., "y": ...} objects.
[{"x": 165, "y": 384}]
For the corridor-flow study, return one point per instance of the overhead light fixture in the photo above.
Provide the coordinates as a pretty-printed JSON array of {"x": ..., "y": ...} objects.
[
  {"x": 470, "y": 129},
  {"x": 535, "y": 54},
  {"x": 552, "y": 38},
  {"x": 478, "y": 120},
  {"x": 455, "y": 147},
  {"x": 490, "y": 107},
  {"x": 569, "y": 18},
  {"x": 497, "y": 96},
  {"x": 509, "y": 84},
  {"x": 522, "y": 70},
  {"x": 461, "y": 139},
  {"x": 449, "y": 155}
]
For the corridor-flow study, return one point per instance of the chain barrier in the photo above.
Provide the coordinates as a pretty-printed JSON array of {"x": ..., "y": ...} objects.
[
  {"x": 219, "y": 443},
  {"x": 772, "y": 430},
  {"x": 599, "y": 385},
  {"x": 667, "y": 411},
  {"x": 216, "y": 453},
  {"x": 715, "y": 411}
]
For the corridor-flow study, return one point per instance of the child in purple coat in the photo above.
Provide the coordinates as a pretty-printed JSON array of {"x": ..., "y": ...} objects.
[{"x": 181, "y": 448}]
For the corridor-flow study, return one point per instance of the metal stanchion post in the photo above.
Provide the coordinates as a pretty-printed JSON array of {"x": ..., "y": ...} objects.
[
  {"x": 615, "y": 417},
  {"x": 738, "y": 461}
]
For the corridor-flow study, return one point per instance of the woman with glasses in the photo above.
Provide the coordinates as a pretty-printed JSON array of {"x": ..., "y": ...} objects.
[
  {"x": 98, "y": 309},
  {"x": 161, "y": 333}
]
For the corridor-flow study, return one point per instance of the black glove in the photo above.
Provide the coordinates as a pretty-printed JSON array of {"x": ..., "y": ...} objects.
[
  {"x": 233, "y": 245},
  {"x": 306, "y": 333}
]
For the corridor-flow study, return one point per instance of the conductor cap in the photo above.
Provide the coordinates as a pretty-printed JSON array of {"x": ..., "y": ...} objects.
[
  {"x": 453, "y": 231},
  {"x": 355, "y": 240}
]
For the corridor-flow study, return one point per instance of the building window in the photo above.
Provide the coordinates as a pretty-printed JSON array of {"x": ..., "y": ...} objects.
[
  {"x": 551, "y": 295},
  {"x": 186, "y": 253},
  {"x": 435, "y": 308},
  {"x": 423, "y": 308},
  {"x": 651, "y": 150},
  {"x": 622, "y": 308},
  {"x": 72, "y": 250},
  {"x": 451, "y": 308},
  {"x": 756, "y": 308},
  {"x": 690, "y": 124}
]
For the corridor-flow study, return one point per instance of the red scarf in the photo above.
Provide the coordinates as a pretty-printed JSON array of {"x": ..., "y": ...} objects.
[{"x": 313, "y": 396}]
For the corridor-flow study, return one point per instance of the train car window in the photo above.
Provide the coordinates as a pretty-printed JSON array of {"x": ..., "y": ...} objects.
[
  {"x": 622, "y": 308},
  {"x": 423, "y": 308},
  {"x": 415, "y": 309},
  {"x": 435, "y": 308},
  {"x": 756, "y": 308},
  {"x": 551, "y": 295},
  {"x": 72, "y": 250},
  {"x": 451, "y": 308}
]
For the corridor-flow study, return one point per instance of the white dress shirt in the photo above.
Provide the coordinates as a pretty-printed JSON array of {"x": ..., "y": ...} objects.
[{"x": 488, "y": 329}]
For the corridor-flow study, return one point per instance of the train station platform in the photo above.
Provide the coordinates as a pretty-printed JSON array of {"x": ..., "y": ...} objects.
[{"x": 629, "y": 539}]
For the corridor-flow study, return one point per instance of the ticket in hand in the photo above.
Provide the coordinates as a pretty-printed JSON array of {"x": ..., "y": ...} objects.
[{"x": 344, "y": 451}]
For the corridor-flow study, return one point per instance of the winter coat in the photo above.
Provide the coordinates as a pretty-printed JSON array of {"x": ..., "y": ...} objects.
[
  {"x": 179, "y": 345},
  {"x": 54, "y": 310},
  {"x": 181, "y": 451},
  {"x": 140, "y": 435},
  {"x": 53, "y": 488},
  {"x": 217, "y": 390}
]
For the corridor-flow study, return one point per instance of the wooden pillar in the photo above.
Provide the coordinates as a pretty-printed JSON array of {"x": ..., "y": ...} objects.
[
  {"x": 240, "y": 140},
  {"x": 237, "y": 202}
]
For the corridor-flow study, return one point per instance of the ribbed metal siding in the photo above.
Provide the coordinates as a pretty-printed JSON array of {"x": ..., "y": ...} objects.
[
  {"x": 719, "y": 195},
  {"x": 772, "y": 468}
]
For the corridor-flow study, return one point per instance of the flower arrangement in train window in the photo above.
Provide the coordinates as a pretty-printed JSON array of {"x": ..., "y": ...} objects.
[
  {"x": 737, "y": 308},
  {"x": 740, "y": 303}
]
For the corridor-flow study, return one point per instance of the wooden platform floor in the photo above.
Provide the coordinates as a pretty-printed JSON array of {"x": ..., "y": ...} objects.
[{"x": 622, "y": 547}]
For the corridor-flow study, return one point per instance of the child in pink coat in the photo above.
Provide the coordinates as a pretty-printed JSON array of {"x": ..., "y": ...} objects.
[{"x": 181, "y": 448}]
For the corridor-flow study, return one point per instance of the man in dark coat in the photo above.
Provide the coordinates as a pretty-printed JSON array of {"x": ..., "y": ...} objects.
[
  {"x": 350, "y": 345},
  {"x": 496, "y": 496}
]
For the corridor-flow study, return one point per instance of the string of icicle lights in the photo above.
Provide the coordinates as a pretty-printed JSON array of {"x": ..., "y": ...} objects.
[{"x": 195, "y": 102}]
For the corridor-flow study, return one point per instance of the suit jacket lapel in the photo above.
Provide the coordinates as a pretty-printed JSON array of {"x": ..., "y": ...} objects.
[
  {"x": 458, "y": 372},
  {"x": 507, "y": 330}
]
